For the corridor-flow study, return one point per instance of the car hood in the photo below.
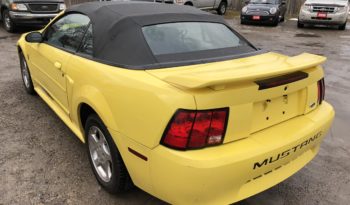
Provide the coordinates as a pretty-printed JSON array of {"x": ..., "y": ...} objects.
[
  {"x": 38, "y": 1},
  {"x": 263, "y": 7},
  {"x": 328, "y": 2}
]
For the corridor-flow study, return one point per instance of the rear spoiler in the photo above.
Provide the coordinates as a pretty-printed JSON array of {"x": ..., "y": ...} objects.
[{"x": 245, "y": 69}]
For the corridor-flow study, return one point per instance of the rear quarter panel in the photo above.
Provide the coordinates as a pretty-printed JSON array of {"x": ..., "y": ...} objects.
[{"x": 131, "y": 102}]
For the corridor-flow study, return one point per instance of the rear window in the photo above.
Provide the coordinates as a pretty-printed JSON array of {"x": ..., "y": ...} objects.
[{"x": 184, "y": 37}]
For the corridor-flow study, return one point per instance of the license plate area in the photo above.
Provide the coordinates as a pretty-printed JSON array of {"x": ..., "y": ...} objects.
[
  {"x": 321, "y": 15},
  {"x": 256, "y": 17},
  {"x": 273, "y": 111}
]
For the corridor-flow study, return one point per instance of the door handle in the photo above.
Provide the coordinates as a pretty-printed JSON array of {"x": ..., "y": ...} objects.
[{"x": 58, "y": 65}]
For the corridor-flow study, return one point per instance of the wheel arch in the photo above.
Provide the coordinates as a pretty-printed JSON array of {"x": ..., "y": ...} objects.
[
  {"x": 21, "y": 44},
  {"x": 91, "y": 100},
  {"x": 85, "y": 110},
  {"x": 188, "y": 3},
  {"x": 2, "y": 8},
  {"x": 219, "y": 2},
  {"x": 19, "y": 49}
]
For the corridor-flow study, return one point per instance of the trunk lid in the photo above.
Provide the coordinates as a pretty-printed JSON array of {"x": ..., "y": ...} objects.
[{"x": 260, "y": 91}]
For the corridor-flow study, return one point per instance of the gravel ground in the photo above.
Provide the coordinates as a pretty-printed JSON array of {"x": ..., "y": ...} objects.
[{"x": 41, "y": 162}]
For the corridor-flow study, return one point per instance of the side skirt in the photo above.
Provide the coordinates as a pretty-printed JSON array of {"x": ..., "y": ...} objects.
[{"x": 61, "y": 114}]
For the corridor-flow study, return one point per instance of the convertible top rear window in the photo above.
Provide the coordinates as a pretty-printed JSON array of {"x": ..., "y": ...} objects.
[
  {"x": 185, "y": 37},
  {"x": 143, "y": 36}
]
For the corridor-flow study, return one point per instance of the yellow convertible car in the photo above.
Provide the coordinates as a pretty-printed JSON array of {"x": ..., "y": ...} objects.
[{"x": 175, "y": 101}]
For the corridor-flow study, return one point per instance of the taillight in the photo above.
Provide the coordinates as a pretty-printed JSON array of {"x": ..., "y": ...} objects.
[
  {"x": 193, "y": 129},
  {"x": 321, "y": 90}
]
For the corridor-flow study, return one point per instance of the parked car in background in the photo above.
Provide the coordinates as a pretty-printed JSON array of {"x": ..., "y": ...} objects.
[
  {"x": 219, "y": 5},
  {"x": 264, "y": 11},
  {"x": 321, "y": 12},
  {"x": 174, "y": 100},
  {"x": 16, "y": 13}
]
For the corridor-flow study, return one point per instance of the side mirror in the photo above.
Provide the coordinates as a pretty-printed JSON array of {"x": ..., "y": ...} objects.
[
  {"x": 246, "y": 2},
  {"x": 34, "y": 37},
  {"x": 284, "y": 2}
]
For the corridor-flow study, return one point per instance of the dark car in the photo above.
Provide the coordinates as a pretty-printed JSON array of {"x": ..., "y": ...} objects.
[
  {"x": 264, "y": 11},
  {"x": 16, "y": 13}
]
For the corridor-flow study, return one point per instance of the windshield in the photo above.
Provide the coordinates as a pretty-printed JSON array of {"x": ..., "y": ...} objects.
[
  {"x": 264, "y": 1},
  {"x": 184, "y": 37}
]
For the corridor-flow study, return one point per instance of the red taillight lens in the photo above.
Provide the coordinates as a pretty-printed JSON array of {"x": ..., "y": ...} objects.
[
  {"x": 179, "y": 129},
  {"x": 321, "y": 90},
  {"x": 196, "y": 129},
  {"x": 217, "y": 128},
  {"x": 200, "y": 130}
]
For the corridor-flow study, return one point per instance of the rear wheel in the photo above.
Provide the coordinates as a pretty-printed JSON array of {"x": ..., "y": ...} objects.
[
  {"x": 342, "y": 27},
  {"x": 104, "y": 157},
  {"x": 7, "y": 22},
  {"x": 222, "y": 8},
  {"x": 25, "y": 73}
]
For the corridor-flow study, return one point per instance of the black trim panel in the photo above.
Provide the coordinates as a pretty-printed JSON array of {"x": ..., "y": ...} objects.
[{"x": 281, "y": 80}]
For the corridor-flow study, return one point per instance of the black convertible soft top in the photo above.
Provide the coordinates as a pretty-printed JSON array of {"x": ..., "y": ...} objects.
[{"x": 118, "y": 39}]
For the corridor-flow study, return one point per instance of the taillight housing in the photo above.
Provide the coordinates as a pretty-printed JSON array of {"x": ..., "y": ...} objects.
[
  {"x": 194, "y": 129},
  {"x": 321, "y": 88}
]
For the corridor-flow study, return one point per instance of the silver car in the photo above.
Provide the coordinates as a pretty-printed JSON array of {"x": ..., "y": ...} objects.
[
  {"x": 324, "y": 12},
  {"x": 219, "y": 5}
]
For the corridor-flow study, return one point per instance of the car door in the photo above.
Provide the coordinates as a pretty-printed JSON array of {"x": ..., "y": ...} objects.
[
  {"x": 204, "y": 3},
  {"x": 62, "y": 38}
]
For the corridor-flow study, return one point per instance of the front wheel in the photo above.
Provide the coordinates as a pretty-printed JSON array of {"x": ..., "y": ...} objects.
[
  {"x": 25, "y": 73},
  {"x": 7, "y": 22},
  {"x": 222, "y": 8},
  {"x": 342, "y": 27},
  {"x": 283, "y": 18},
  {"x": 276, "y": 21},
  {"x": 300, "y": 25},
  {"x": 104, "y": 157}
]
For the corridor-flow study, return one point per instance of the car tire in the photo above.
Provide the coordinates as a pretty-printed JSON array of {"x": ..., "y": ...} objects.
[
  {"x": 283, "y": 18},
  {"x": 276, "y": 21},
  {"x": 25, "y": 73},
  {"x": 7, "y": 22},
  {"x": 105, "y": 159},
  {"x": 342, "y": 27},
  {"x": 222, "y": 8},
  {"x": 300, "y": 25}
]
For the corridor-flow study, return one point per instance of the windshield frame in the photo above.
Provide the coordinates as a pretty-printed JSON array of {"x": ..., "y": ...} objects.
[{"x": 269, "y": 2}]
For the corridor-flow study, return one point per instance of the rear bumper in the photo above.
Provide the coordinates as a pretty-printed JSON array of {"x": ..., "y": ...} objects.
[
  {"x": 229, "y": 173},
  {"x": 332, "y": 18},
  {"x": 31, "y": 18}
]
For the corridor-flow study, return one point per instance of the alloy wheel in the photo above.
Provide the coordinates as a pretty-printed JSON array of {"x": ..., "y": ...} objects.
[
  {"x": 7, "y": 21},
  {"x": 223, "y": 9},
  {"x": 100, "y": 153},
  {"x": 25, "y": 73}
]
